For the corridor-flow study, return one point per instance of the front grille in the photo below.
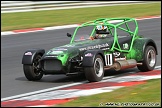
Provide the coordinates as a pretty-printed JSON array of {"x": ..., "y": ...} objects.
[{"x": 52, "y": 65}]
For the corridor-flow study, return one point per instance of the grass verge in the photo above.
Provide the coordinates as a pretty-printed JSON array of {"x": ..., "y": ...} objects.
[
  {"x": 14, "y": 21},
  {"x": 143, "y": 94}
]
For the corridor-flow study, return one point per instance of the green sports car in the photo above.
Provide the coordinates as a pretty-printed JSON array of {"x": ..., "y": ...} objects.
[{"x": 95, "y": 46}]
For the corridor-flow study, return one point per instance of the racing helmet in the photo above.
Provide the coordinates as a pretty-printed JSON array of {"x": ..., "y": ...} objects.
[{"x": 100, "y": 28}]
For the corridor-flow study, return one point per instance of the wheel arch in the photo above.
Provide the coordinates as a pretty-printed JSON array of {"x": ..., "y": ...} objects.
[
  {"x": 90, "y": 58},
  {"x": 29, "y": 55},
  {"x": 152, "y": 43}
]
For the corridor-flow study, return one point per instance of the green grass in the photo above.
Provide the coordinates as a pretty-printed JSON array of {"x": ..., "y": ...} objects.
[
  {"x": 149, "y": 92},
  {"x": 14, "y": 21}
]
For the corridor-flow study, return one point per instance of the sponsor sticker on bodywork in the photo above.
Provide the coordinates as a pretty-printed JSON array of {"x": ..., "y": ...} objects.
[
  {"x": 125, "y": 46},
  {"x": 69, "y": 45},
  {"x": 116, "y": 54},
  {"x": 116, "y": 59},
  {"x": 28, "y": 53},
  {"x": 95, "y": 47},
  {"x": 88, "y": 55},
  {"x": 55, "y": 52},
  {"x": 60, "y": 49}
]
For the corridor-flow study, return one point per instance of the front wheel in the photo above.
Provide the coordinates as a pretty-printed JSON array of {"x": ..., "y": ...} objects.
[
  {"x": 149, "y": 60},
  {"x": 32, "y": 72},
  {"x": 96, "y": 72}
]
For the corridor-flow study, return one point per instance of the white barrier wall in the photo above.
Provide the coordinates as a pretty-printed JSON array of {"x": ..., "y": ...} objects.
[{"x": 27, "y": 6}]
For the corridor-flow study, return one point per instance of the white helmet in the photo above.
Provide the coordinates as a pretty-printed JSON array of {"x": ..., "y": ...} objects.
[{"x": 101, "y": 27}]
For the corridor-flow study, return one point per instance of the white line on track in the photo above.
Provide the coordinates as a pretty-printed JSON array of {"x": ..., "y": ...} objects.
[
  {"x": 41, "y": 91},
  {"x": 53, "y": 88},
  {"x": 63, "y": 27}
]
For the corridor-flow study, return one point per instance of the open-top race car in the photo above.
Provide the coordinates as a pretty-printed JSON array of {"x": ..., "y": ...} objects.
[{"x": 95, "y": 46}]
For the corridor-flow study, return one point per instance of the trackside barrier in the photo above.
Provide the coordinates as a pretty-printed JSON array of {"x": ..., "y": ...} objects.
[{"x": 27, "y": 6}]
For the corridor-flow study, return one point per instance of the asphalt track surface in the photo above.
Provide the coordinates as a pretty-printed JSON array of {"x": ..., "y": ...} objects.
[{"x": 13, "y": 81}]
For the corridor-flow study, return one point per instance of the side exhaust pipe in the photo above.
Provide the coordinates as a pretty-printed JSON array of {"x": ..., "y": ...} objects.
[
  {"x": 120, "y": 65},
  {"x": 123, "y": 64}
]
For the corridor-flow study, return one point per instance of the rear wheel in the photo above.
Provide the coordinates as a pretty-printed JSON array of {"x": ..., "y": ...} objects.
[
  {"x": 149, "y": 60},
  {"x": 96, "y": 72},
  {"x": 32, "y": 72}
]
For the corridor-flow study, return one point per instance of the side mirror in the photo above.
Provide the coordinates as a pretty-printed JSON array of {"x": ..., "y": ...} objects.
[{"x": 68, "y": 34}]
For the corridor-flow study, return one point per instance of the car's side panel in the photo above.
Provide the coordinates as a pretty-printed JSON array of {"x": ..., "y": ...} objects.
[
  {"x": 29, "y": 55},
  {"x": 138, "y": 48}
]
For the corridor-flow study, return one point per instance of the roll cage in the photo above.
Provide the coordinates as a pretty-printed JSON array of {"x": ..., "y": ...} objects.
[{"x": 113, "y": 25}]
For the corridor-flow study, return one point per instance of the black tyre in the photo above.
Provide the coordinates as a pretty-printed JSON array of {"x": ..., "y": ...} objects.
[
  {"x": 149, "y": 60},
  {"x": 32, "y": 72},
  {"x": 96, "y": 72}
]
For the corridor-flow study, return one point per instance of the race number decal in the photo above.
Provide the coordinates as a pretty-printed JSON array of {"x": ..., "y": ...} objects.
[{"x": 108, "y": 59}]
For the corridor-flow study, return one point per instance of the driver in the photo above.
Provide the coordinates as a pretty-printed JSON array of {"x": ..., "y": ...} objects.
[{"x": 98, "y": 29}]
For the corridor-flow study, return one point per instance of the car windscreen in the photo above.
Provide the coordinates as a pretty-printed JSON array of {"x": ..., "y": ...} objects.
[{"x": 83, "y": 33}]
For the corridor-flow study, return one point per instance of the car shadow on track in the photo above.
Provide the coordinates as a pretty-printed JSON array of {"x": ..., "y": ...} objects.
[
  {"x": 112, "y": 72},
  {"x": 79, "y": 77}
]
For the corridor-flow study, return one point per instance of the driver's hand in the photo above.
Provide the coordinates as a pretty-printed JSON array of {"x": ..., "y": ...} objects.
[{"x": 91, "y": 38}]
